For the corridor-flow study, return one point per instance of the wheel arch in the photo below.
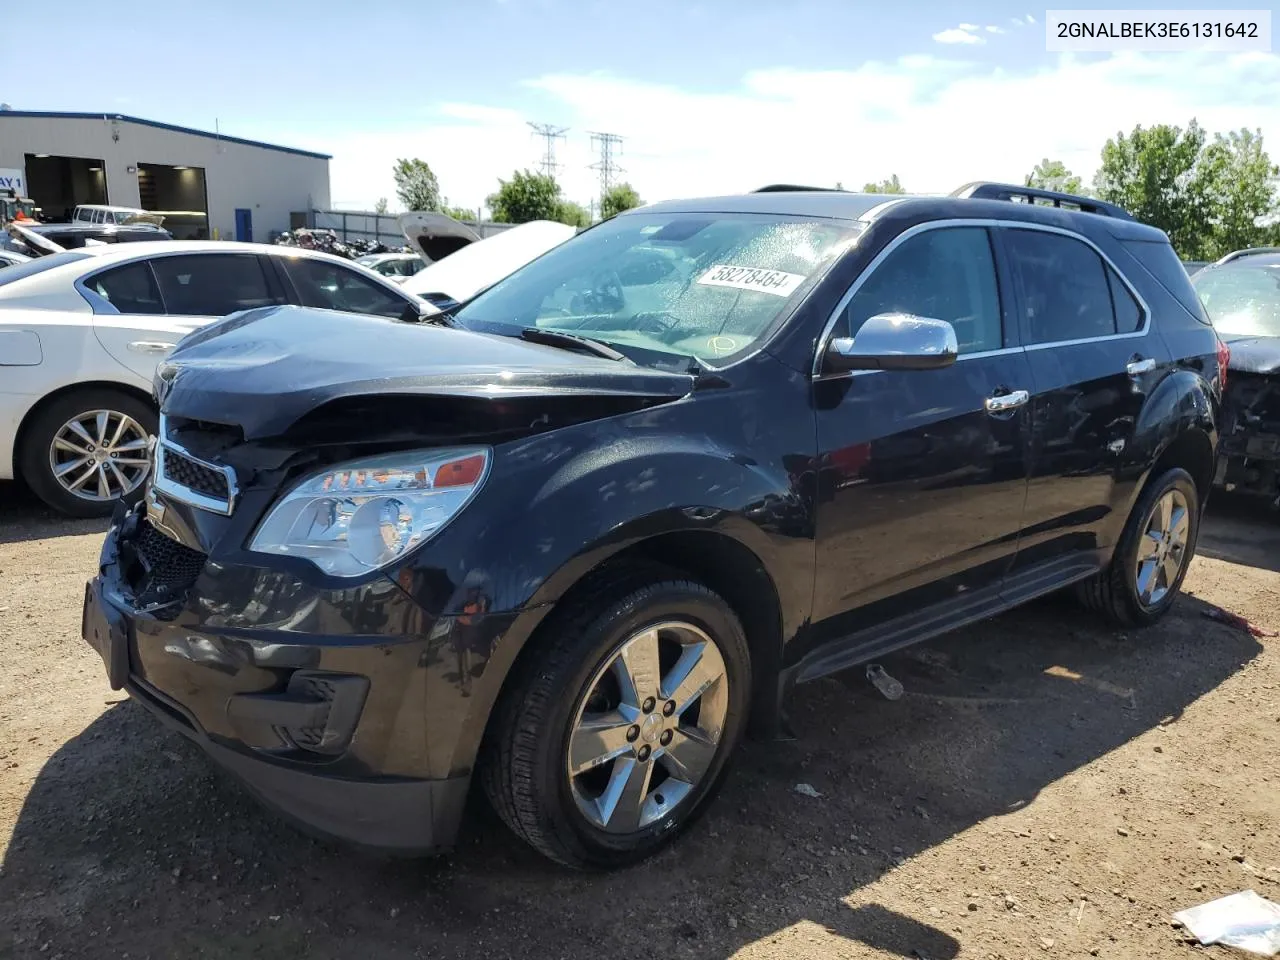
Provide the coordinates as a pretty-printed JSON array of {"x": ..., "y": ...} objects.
[
  {"x": 34, "y": 411},
  {"x": 720, "y": 561}
]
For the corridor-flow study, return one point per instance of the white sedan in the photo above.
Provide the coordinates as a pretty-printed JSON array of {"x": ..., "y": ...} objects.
[{"x": 81, "y": 333}]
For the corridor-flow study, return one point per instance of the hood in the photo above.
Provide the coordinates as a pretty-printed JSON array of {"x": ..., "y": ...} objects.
[
  {"x": 264, "y": 370},
  {"x": 463, "y": 274},
  {"x": 1254, "y": 354},
  {"x": 435, "y": 235}
]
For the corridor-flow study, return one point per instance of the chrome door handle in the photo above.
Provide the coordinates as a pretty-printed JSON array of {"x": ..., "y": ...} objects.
[
  {"x": 151, "y": 346},
  {"x": 1136, "y": 367},
  {"x": 1007, "y": 401}
]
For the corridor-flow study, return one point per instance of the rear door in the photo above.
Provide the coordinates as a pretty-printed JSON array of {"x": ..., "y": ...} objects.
[
  {"x": 923, "y": 472},
  {"x": 1094, "y": 357},
  {"x": 161, "y": 299}
]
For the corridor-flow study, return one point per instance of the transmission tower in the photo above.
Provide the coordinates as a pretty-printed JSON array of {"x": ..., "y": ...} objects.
[
  {"x": 550, "y": 134},
  {"x": 606, "y": 165}
]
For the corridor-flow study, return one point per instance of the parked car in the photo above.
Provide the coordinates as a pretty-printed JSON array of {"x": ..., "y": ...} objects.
[
  {"x": 394, "y": 266},
  {"x": 81, "y": 332},
  {"x": 42, "y": 239},
  {"x": 1242, "y": 294},
  {"x": 8, "y": 258},
  {"x": 103, "y": 213},
  {"x": 576, "y": 534}
]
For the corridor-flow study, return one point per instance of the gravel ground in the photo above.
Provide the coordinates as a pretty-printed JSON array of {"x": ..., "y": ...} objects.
[{"x": 1047, "y": 786}]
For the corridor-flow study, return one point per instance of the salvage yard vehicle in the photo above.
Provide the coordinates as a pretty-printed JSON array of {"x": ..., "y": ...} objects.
[
  {"x": 574, "y": 536},
  {"x": 1242, "y": 295},
  {"x": 81, "y": 332}
]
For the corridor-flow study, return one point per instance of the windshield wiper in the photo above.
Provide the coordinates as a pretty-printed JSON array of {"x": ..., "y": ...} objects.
[{"x": 557, "y": 338}]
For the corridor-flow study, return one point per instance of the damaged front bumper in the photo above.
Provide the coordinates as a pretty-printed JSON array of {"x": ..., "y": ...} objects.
[{"x": 342, "y": 709}]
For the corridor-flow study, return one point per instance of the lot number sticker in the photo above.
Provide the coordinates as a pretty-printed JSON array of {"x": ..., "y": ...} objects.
[{"x": 751, "y": 278}]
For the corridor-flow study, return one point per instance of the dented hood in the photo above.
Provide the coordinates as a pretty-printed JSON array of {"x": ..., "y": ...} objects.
[{"x": 262, "y": 370}]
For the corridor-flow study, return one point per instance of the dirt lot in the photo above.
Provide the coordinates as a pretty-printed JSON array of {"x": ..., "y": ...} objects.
[{"x": 1047, "y": 786}]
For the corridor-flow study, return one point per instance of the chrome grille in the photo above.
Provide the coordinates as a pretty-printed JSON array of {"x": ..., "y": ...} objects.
[{"x": 187, "y": 479}]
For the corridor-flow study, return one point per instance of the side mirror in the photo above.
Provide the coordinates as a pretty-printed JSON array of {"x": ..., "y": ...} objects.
[
  {"x": 894, "y": 341},
  {"x": 418, "y": 313}
]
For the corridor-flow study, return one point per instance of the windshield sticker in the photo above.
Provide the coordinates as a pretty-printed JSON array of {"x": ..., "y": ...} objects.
[{"x": 750, "y": 278}]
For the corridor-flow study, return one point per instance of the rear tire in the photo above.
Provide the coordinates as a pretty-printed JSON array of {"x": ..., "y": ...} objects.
[
  {"x": 1163, "y": 528},
  {"x": 46, "y": 447},
  {"x": 590, "y": 758}
]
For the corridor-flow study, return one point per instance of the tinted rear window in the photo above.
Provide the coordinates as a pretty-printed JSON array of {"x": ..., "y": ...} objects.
[
  {"x": 1163, "y": 264},
  {"x": 29, "y": 269}
]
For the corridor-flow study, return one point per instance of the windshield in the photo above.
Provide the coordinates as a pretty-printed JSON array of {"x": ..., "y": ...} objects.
[
  {"x": 1242, "y": 300},
  {"x": 709, "y": 286},
  {"x": 31, "y": 267}
]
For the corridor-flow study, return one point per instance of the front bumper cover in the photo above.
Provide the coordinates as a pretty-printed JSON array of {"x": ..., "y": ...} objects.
[{"x": 350, "y": 712}]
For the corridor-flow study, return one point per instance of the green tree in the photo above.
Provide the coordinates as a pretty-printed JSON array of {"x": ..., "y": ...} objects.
[
  {"x": 839, "y": 184},
  {"x": 574, "y": 214},
  {"x": 381, "y": 206},
  {"x": 416, "y": 185},
  {"x": 1239, "y": 180},
  {"x": 1054, "y": 175},
  {"x": 884, "y": 186},
  {"x": 619, "y": 197},
  {"x": 458, "y": 213},
  {"x": 1155, "y": 174},
  {"x": 526, "y": 196}
]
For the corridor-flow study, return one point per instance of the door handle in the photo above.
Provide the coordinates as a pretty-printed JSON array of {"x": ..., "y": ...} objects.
[
  {"x": 1007, "y": 401},
  {"x": 150, "y": 346},
  {"x": 1140, "y": 365}
]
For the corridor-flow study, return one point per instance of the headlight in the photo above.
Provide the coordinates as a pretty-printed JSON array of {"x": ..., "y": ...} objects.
[{"x": 356, "y": 517}]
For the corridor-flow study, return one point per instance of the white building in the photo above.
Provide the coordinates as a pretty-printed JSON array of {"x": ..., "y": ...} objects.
[{"x": 207, "y": 184}]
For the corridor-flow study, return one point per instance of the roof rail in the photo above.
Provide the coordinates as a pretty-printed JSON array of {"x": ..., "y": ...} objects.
[
  {"x": 1248, "y": 252},
  {"x": 983, "y": 190},
  {"x": 794, "y": 188}
]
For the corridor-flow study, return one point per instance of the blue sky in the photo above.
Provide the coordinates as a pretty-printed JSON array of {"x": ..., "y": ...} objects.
[{"x": 712, "y": 96}]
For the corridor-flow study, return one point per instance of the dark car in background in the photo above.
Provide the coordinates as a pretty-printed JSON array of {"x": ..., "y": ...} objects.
[
  {"x": 1242, "y": 295},
  {"x": 575, "y": 536}
]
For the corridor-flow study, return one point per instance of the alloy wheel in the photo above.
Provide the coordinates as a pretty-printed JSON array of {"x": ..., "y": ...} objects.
[
  {"x": 1162, "y": 549},
  {"x": 648, "y": 730},
  {"x": 100, "y": 455}
]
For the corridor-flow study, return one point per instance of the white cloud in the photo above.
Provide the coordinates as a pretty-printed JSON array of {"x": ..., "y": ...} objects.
[
  {"x": 915, "y": 117},
  {"x": 1030, "y": 18},
  {"x": 960, "y": 34},
  {"x": 992, "y": 28}
]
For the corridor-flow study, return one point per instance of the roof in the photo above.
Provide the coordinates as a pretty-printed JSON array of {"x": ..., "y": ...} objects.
[
  {"x": 809, "y": 203},
  {"x": 122, "y": 118},
  {"x": 866, "y": 207}
]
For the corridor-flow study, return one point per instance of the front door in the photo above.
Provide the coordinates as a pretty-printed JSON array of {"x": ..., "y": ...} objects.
[
  {"x": 244, "y": 225},
  {"x": 1094, "y": 356},
  {"x": 922, "y": 482}
]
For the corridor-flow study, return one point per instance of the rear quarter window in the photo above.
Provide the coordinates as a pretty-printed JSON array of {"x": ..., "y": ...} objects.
[{"x": 1159, "y": 260}]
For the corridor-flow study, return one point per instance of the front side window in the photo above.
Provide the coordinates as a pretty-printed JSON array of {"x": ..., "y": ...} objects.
[
  {"x": 1242, "y": 300},
  {"x": 129, "y": 288},
  {"x": 331, "y": 286},
  {"x": 1065, "y": 287},
  {"x": 947, "y": 274},
  {"x": 661, "y": 288},
  {"x": 213, "y": 284}
]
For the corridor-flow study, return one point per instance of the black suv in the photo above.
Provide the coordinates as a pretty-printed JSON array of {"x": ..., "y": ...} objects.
[{"x": 577, "y": 535}]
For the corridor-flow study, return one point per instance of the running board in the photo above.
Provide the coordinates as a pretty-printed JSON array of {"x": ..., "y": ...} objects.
[{"x": 864, "y": 646}]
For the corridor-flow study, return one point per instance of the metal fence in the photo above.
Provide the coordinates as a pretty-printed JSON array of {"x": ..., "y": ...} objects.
[{"x": 381, "y": 227}]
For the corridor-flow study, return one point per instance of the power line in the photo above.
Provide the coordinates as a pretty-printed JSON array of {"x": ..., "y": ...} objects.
[
  {"x": 550, "y": 134},
  {"x": 608, "y": 169}
]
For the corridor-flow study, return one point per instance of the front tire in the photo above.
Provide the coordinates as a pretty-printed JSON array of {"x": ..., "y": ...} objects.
[
  {"x": 615, "y": 732},
  {"x": 1151, "y": 559},
  {"x": 87, "y": 449}
]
